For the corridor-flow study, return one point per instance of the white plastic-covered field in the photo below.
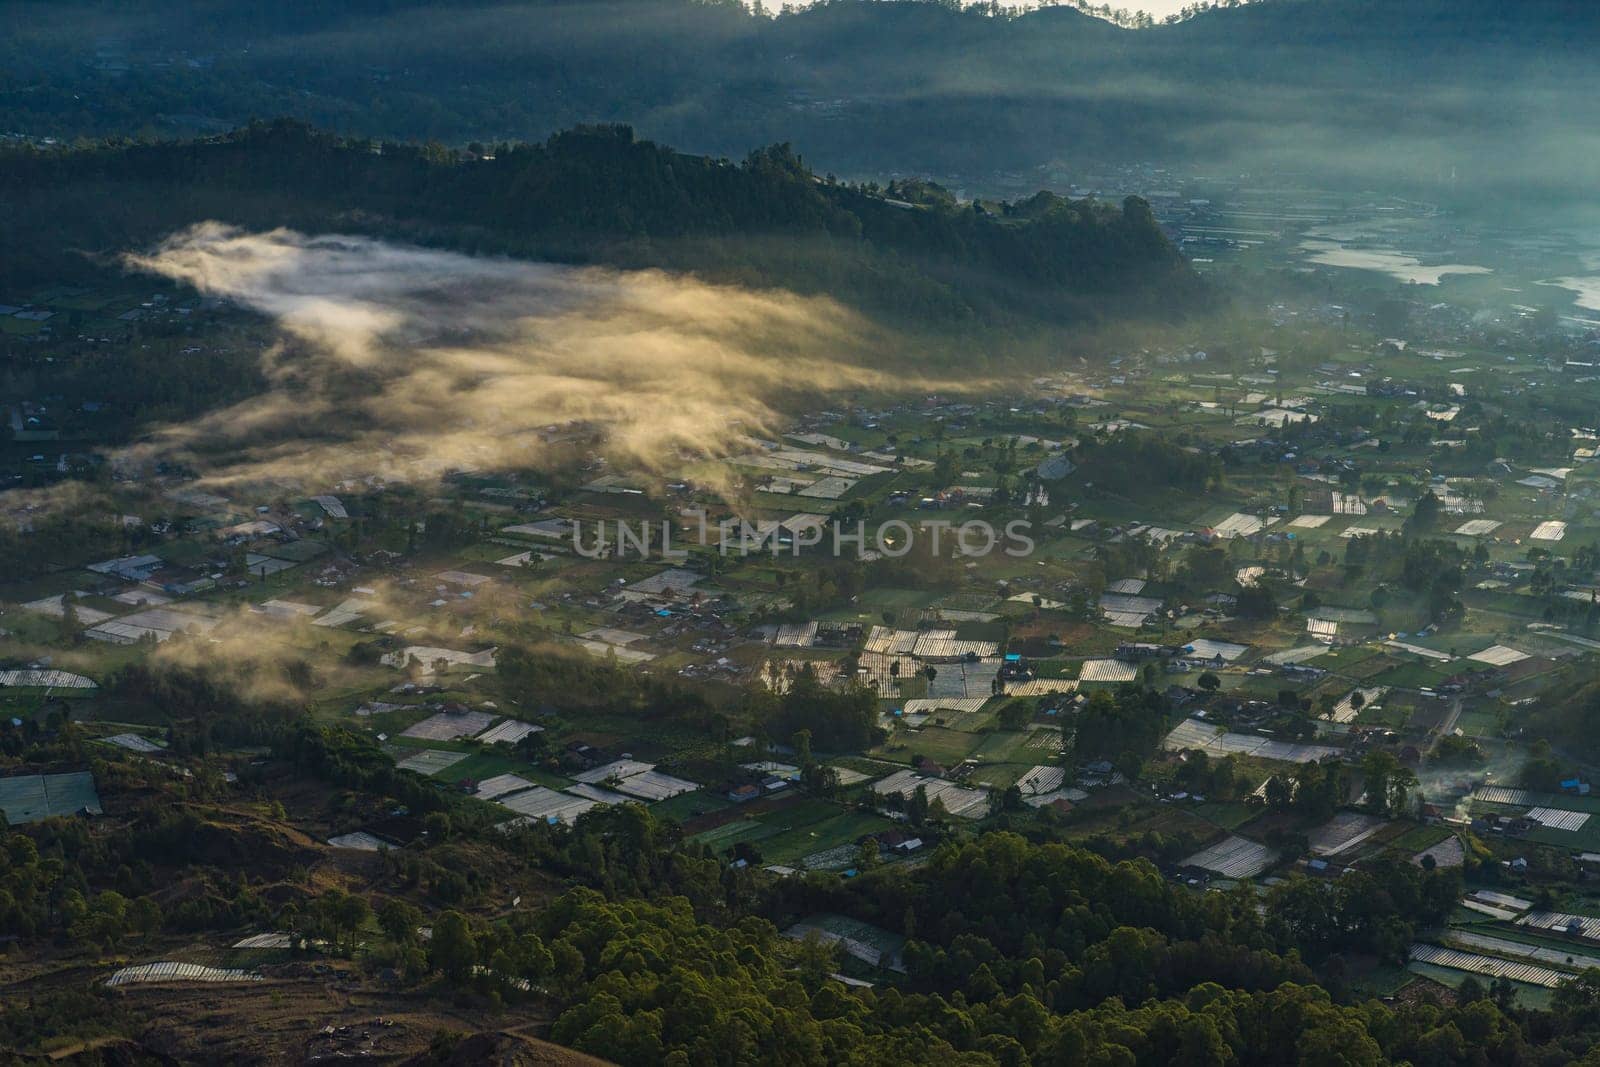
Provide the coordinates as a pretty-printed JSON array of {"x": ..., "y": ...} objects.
[
  {"x": 1239, "y": 525},
  {"x": 431, "y": 761},
  {"x": 889, "y": 641},
  {"x": 617, "y": 769},
  {"x": 156, "y": 623},
  {"x": 1041, "y": 687},
  {"x": 1500, "y": 794},
  {"x": 500, "y": 785},
  {"x": 1206, "y": 648},
  {"x": 1501, "y": 900},
  {"x": 1560, "y": 922},
  {"x": 46, "y": 680},
  {"x": 796, "y": 634},
  {"x": 447, "y": 725},
  {"x": 133, "y": 743},
  {"x": 507, "y": 733},
  {"x": 429, "y": 655},
  {"x": 960, "y": 705},
  {"x": 1493, "y": 966},
  {"x": 1477, "y": 527},
  {"x": 944, "y": 645},
  {"x": 1234, "y": 857},
  {"x": 1344, "y": 832},
  {"x": 639, "y": 780},
  {"x": 1322, "y": 629},
  {"x": 1195, "y": 734},
  {"x": 1346, "y": 710},
  {"x": 1042, "y": 779},
  {"x": 1129, "y": 604},
  {"x": 957, "y": 800},
  {"x": 654, "y": 785},
  {"x": 1107, "y": 670},
  {"x": 359, "y": 841},
  {"x": 1554, "y": 530},
  {"x": 546, "y": 804},
  {"x": 1558, "y": 818},
  {"x": 1498, "y": 656},
  {"x": 1499, "y": 946},
  {"x": 170, "y": 971}
]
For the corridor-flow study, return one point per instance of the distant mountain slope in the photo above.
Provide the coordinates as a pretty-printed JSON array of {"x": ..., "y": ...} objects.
[
  {"x": 1493, "y": 89},
  {"x": 598, "y": 194}
]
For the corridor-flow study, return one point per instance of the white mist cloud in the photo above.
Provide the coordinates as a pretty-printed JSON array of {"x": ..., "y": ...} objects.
[{"x": 405, "y": 362}]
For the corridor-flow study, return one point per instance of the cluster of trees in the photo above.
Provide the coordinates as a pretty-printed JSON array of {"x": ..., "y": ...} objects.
[
  {"x": 1315, "y": 789},
  {"x": 1129, "y": 461},
  {"x": 552, "y": 676},
  {"x": 49, "y": 892},
  {"x": 598, "y": 194},
  {"x": 1430, "y": 567},
  {"x": 836, "y": 720},
  {"x": 1018, "y": 953},
  {"x": 1123, "y": 726}
]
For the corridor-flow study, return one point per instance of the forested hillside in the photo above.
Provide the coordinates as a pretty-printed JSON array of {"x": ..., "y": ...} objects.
[
  {"x": 599, "y": 195},
  {"x": 1335, "y": 86}
]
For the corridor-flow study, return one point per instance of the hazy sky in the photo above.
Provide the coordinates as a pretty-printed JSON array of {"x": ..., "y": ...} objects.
[{"x": 1156, "y": 8}]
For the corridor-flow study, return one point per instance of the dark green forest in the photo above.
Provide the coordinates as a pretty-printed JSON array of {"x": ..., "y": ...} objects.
[{"x": 600, "y": 195}]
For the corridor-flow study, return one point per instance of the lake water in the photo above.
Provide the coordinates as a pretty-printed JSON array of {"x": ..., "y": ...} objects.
[
  {"x": 1398, "y": 265},
  {"x": 1586, "y": 290}
]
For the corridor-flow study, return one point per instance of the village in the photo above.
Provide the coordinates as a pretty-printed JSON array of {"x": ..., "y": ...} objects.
[{"x": 1280, "y": 605}]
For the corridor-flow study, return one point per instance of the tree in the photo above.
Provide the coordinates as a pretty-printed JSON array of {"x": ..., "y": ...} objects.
[
  {"x": 453, "y": 951},
  {"x": 399, "y": 920},
  {"x": 1015, "y": 715},
  {"x": 1209, "y": 682},
  {"x": 1378, "y": 768}
]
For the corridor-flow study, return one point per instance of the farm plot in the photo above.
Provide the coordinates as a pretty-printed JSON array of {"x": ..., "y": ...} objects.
[
  {"x": 1346, "y": 710},
  {"x": 359, "y": 841},
  {"x": 870, "y": 944},
  {"x": 1456, "y": 960},
  {"x": 156, "y": 623},
  {"x": 965, "y": 679},
  {"x": 169, "y": 971},
  {"x": 31, "y": 797},
  {"x": 1042, "y": 780},
  {"x": 1194, "y": 734},
  {"x": 1234, "y": 857},
  {"x": 1499, "y": 946},
  {"x": 1207, "y": 649},
  {"x": 1498, "y": 656},
  {"x": 1107, "y": 670},
  {"x": 957, "y": 800},
  {"x": 1559, "y": 922},
  {"x": 46, "y": 680},
  {"x": 500, "y": 785},
  {"x": 133, "y": 743},
  {"x": 1559, "y": 819},
  {"x": 1239, "y": 525},
  {"x": 654, "y": 785},
  {"x": 431, "y": 761},
  {"x": 1499, "y": 794},
  {"x": 1344, "y": 832},
  {"x": 546, "y": 804},
  {"x": 507, "y": 733},
  {"x": 449, "y": 725}
]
